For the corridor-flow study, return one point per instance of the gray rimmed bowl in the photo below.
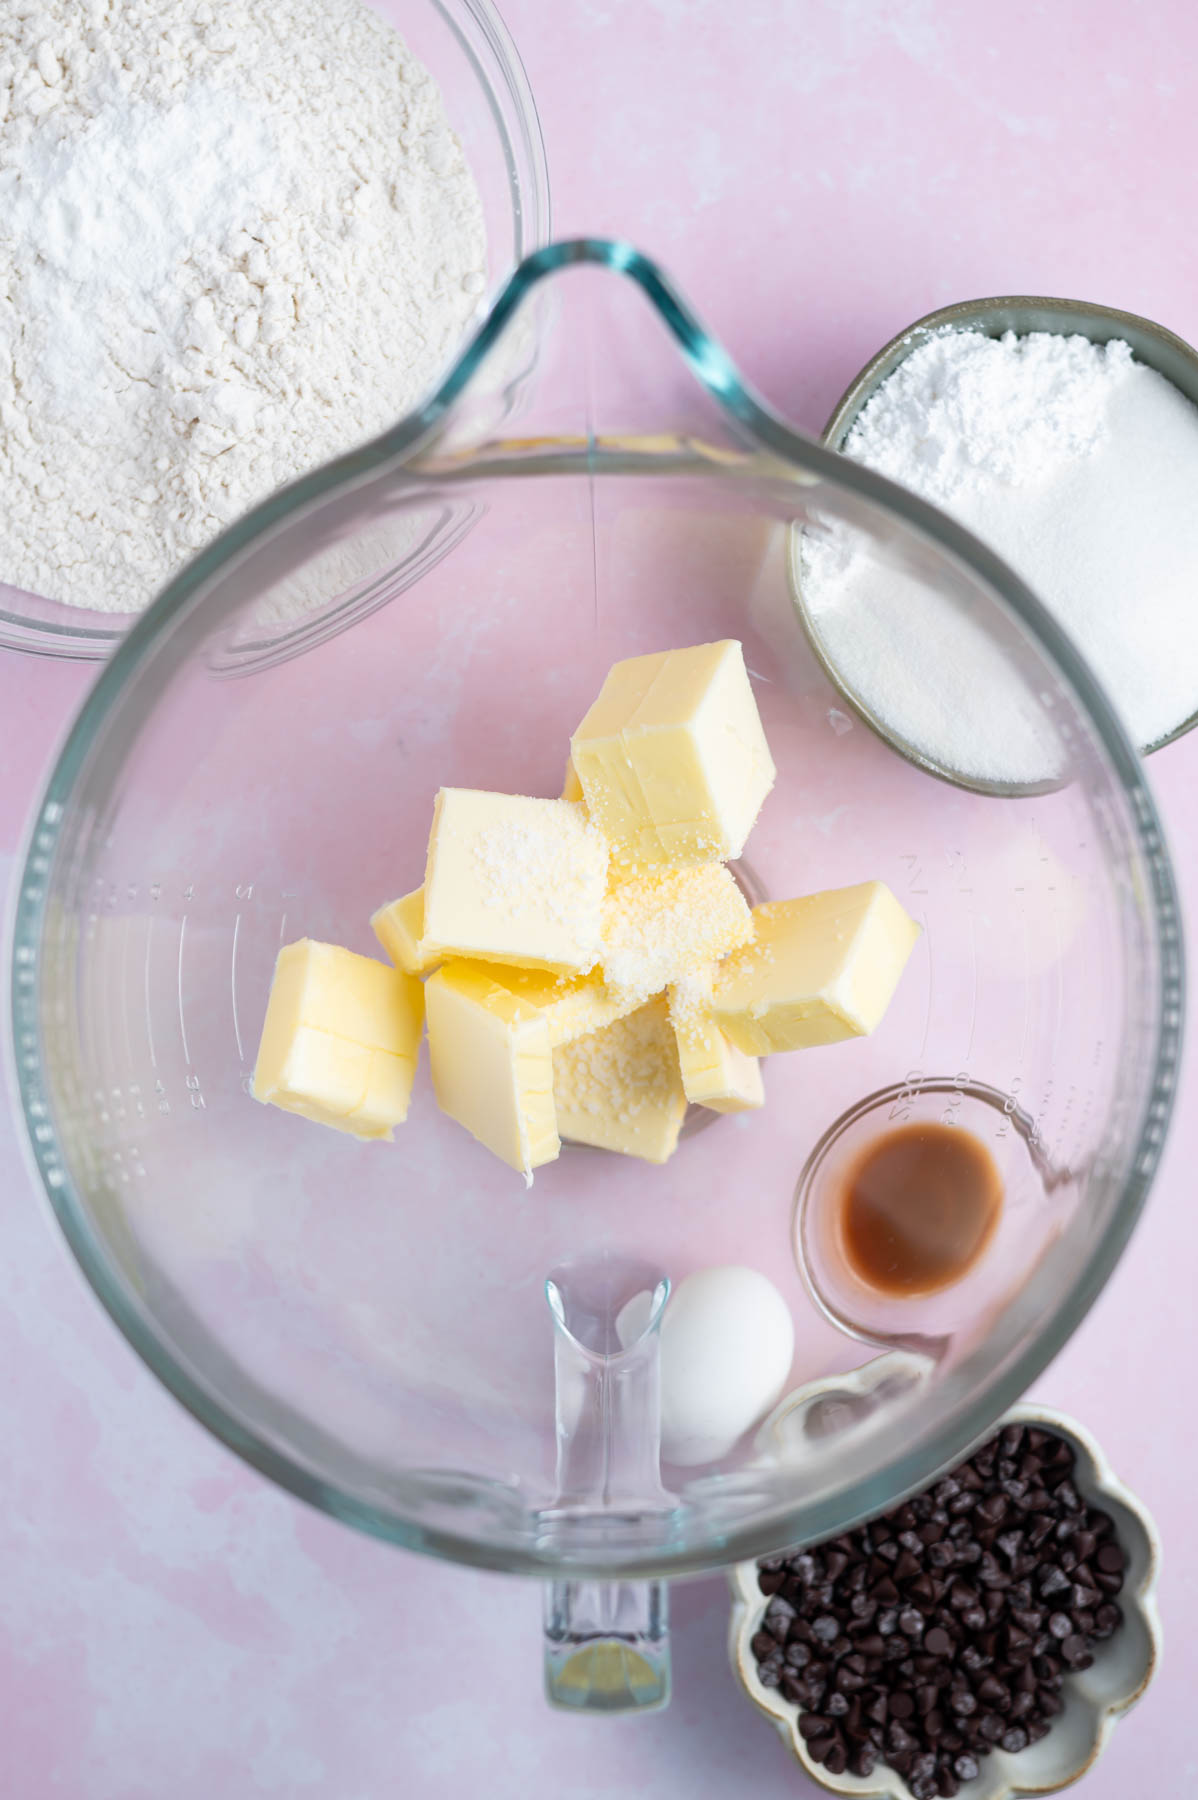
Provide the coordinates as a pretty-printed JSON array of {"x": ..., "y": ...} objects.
[
  {"x": 1095, "y": 1700},
  {"x": 1152, "y": 344}
]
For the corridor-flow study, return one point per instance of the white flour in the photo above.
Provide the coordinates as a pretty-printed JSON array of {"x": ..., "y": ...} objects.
[
  {"x": 1079, "y": 466},
  {"x": 235, "y": 240}
]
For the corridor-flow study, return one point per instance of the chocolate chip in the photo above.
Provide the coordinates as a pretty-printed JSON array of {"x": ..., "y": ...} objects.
[{"x": 889, "y": 1653}]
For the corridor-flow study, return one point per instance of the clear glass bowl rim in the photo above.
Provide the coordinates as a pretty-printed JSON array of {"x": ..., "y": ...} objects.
[{"x": 710, "y": 365}]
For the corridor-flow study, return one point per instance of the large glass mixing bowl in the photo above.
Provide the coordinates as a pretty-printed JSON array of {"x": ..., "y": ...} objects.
[
  {"x": 368, "y": 1324},
  {"x": 469, "y": 53}
]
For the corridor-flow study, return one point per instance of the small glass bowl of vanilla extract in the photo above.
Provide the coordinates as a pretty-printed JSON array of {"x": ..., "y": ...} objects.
[{"x": 922, "y": 1209}]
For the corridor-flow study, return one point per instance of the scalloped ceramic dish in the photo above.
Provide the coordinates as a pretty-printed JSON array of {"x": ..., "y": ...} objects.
[{"x": 1095, "y": 1700}]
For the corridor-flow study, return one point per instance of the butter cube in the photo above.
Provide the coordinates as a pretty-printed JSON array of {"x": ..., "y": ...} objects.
[
  {"x": 571, "y": 786},
  {"x": 340, "y": 1039},
  {"x": 570, "y": 1005},
  {"x": 514, "y": 880},
  {"x": 823, "y": 968},
  {"x": 399, "y": 928},
  {"x": 661, "y": 924},
  {"x": 621, "y": 1088},
  {"x": 672, "y": 758},
  {"x": 491, "y": 1064},
  {"x": 715, "y": 1073}
]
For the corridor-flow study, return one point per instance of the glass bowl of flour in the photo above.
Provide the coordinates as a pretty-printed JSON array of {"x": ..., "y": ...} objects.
[
  {"x": 1064, "y": 436},
  {"x": 236, "y": 241}
]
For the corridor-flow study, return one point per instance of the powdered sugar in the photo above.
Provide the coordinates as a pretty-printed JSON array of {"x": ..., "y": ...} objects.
[
  {"x": 234, "y": 241},
  {"x": 964, "y": 411},
  {"x": 1078, "y": 465}
]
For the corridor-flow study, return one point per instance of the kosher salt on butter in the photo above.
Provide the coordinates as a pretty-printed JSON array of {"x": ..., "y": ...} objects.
[
  {"x": 514, "y": 880},
  {"x": 672, "y": 758},
  {"x": 823, "y": 968},
  {"x": 340, "y": 1040},
  {"x": 662, "y": 924},
  {"x": 621, "y": 1088}
]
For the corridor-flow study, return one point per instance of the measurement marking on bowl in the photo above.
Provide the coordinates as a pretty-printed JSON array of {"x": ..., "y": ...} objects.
[
  {"x": 233, "y": 987},
  {"x": 1026, "y": 984},
  {"x": 126, "y": 1028},
  {"x": 282, "y": 927},
  {"x": 146, "y": 995},
  {"x": 927, "y": 1023},
  {"x": 182, "y": 1021},
  {"x": 973, "y": 1004}
]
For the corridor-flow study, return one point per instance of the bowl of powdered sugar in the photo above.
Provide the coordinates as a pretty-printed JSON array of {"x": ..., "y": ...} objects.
[
  {"x": 236, "y": 241},
  {"x": 1065, "y": 437}
]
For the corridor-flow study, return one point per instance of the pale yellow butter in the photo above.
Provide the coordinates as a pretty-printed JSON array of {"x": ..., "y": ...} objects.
[
  {"x": 514, "y": 880},
  {"x": 715, "y": 1073},
  {"x": 672, "y": 758},
  {"x": 621, "y": 1088},
  {"x": 492, "y": 1065},
  {"x": 823, "y": 968},
  {"x": 399, "y": 928},
  {"x": 340, "y": 1040},
  {"x": 661, "y": 924},
  {"x": 571, "y": 1005}
]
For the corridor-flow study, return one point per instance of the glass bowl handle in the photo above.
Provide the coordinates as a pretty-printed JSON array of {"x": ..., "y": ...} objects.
[{"x": 607, "y": 1646}]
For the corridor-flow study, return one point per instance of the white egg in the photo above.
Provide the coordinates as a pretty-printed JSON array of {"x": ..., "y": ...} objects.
[{"x": 727, "y": 1342}]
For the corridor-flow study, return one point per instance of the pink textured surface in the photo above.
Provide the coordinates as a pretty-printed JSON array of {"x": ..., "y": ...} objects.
[{"x": 815, "y": 176}]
